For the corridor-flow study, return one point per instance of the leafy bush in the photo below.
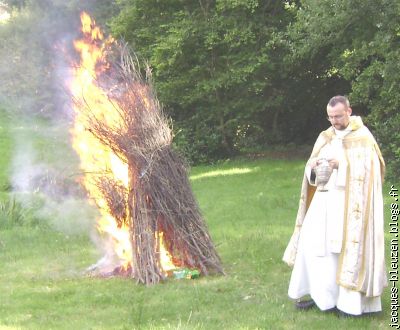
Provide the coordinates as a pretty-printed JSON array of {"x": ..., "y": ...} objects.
[
  {"x": 199, "y": 143},
  {"x": 388, "y": 136}
]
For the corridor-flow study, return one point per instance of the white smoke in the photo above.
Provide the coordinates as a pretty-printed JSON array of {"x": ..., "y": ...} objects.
[
  {"x": 45, "y": 169},
  {"x": 44, "y": 178}
]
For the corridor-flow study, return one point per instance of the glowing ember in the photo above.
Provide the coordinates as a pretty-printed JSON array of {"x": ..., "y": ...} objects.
[{"x": 95, "y": 157}]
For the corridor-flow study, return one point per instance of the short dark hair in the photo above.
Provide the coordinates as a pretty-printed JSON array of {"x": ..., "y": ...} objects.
[{"x": 339, "y": 99}]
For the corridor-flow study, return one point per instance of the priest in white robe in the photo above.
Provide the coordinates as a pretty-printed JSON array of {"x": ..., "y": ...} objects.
[{"x": 337, "y": 248}]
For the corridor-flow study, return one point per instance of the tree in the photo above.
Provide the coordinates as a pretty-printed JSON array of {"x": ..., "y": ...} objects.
[
  {"x": 33, "y": 52},
  {"x": 215, "y": 64},
  {"x": 359, "y": 42},
  {"x": 23, "y": 66}
]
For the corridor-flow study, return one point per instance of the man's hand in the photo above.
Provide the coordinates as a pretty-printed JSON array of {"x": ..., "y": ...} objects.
[
  {"x": 313, "y": 162},
  {"x": 334, "y": 163}
]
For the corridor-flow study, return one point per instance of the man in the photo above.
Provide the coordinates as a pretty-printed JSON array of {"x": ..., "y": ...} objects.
[{"x": 337, "y": 248}]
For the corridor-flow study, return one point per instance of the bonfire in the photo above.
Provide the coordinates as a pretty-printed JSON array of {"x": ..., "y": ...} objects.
[{"x": 138, "y": 182}]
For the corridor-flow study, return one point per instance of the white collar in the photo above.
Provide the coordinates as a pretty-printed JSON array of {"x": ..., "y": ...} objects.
[{"x": 342, "y": 133}]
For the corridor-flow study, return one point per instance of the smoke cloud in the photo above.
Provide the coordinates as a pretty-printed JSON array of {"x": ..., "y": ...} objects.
[{"x": 35, "y": 55}]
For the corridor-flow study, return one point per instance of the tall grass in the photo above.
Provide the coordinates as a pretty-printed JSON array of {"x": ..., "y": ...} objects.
[{"x": 11, "y": 214}]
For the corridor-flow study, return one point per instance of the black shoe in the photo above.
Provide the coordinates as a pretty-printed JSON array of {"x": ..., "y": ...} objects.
[
  {"x": 344, "y": 315},
  {"x": 331, "y": 310},
  {"x": 305, "y": 304}
]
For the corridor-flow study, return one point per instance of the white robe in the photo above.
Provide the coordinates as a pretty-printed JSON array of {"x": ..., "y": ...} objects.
[{"x": 320, "y": 243}]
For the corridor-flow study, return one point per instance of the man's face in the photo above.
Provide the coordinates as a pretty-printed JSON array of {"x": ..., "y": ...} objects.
[{"x": 339, "y": 115}]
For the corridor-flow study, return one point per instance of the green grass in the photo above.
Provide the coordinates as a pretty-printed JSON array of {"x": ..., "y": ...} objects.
[{"x": 249, "y": 207}]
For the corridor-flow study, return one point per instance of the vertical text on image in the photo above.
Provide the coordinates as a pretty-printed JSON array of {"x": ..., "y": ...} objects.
[{"x": 394, "y": 258}]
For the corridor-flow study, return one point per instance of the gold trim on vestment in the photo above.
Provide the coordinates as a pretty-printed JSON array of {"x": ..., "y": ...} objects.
[
  {"x": 357, "y": 268},
  {"x": 346, "y": 207},
  {"x": 367, "y": 214}
]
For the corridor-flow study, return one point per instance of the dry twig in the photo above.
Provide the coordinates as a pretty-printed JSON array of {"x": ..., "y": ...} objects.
[{"x": 159, "y": 197}]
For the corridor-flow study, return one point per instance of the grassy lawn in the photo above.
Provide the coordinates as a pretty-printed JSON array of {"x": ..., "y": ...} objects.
[{"x": 250, "y": 208}]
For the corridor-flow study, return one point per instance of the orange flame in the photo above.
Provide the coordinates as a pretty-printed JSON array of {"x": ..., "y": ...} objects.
[{"x": 95, "y": 157}]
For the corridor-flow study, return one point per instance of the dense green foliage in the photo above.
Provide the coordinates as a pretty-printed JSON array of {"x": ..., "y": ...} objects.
[
  {"x": 237, "y": 74},
  {"x": 35, "y": 53},
  {"x": 234, "y": 75},
  {"x": 358, "y": 41},
  {"x": 218, "y": 68},
  {"x": 22, "y": 65}
]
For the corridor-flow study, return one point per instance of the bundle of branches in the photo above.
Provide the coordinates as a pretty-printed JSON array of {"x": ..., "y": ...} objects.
[{"x": 159, "y": 197}]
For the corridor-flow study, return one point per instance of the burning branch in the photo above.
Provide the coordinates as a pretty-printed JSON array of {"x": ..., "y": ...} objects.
[{"x": 153, "y": 199}]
